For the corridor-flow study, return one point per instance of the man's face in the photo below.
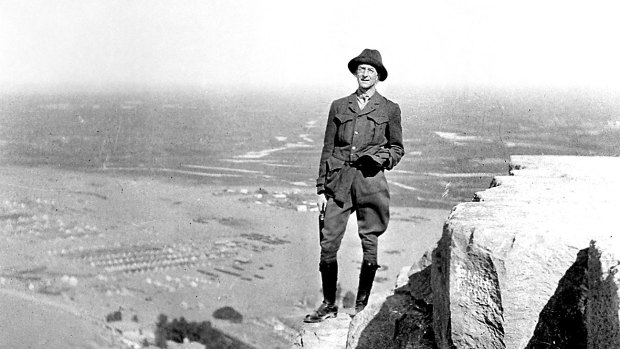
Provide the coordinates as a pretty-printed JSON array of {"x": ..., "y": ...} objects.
[{"x": 367, "y": 76}]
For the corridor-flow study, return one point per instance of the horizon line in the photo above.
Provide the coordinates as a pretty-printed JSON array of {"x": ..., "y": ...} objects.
[{"x": 137, "y": 88}]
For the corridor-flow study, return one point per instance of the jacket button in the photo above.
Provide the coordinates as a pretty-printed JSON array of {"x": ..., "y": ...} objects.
[
  {"x": 357, "y": 133},
  {"x": 353, "y": 148}
]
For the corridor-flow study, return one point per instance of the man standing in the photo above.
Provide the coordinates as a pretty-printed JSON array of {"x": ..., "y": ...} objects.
[{"x": 363, "y": 137}]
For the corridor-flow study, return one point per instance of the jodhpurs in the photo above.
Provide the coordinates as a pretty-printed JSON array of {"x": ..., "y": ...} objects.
[{"x": 370, "y": 200}]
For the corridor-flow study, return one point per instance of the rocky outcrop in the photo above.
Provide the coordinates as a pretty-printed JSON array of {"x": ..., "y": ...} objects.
[
  {"x": 531, "y": 263},
  {"x": 508, "y": 270}
]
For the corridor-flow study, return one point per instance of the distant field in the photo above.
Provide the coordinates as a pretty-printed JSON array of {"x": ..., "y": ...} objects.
[{"x": 456, "y": 140}]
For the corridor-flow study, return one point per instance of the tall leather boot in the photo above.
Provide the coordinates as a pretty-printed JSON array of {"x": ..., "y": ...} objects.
[
  {"x": 328, "y": 309},
  {"x": 367, "y": 277}
]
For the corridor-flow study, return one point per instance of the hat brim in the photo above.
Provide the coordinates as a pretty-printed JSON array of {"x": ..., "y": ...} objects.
[{"x": 355, "y": 62}]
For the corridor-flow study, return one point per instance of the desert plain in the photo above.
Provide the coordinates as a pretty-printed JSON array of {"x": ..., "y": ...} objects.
[{"x": 79, "y": 247}]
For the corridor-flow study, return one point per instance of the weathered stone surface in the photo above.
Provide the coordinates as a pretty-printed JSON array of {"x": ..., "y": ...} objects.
[
  {"x": 329, "y": 334},
  {"x": 373, "y": 327},
  {"x": 419, "y": 286},
  {"x": 415, "y": 281},
  {"x": 603, "y": 320},
  {"x": 414, "y": 329},
  {"x": 562, "y": 323},
  {"x": 401, "y": 318},
  {"x": 467, "y": 299},
  {"x": 501, "y": 258}
]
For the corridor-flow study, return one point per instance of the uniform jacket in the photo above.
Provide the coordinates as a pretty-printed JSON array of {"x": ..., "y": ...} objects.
[{"x": 352, "y": 133}]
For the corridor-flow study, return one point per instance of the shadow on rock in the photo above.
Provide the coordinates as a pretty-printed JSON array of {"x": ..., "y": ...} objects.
[
  {"x": 402, "y": 319},
  {"x": 603, "y": 302},
  {"x": 562, "y": 322}
]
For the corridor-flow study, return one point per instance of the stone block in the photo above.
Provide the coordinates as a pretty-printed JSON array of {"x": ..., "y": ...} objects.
[{"x": 501, "y": 259}]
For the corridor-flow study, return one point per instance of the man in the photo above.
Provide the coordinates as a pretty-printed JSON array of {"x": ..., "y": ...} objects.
[{"x": 363, "y": 137}]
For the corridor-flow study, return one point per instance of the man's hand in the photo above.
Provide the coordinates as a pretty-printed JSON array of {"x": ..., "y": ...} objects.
[
  {"x": 370, "y": 162},
  {"x": 321, "y": 202},
  {"x": 369, "y": 165}
]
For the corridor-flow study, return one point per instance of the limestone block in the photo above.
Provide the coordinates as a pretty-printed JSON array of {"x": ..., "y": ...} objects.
[
  {"x": 500, "y": 259},
  {"x": 467, "y": 301}
]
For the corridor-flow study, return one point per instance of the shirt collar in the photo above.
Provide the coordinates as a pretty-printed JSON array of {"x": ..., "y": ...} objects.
[{"x": 367, "y": 94}]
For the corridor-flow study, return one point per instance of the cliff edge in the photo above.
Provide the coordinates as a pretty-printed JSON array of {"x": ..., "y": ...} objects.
[{"x": 530, "y": 263}]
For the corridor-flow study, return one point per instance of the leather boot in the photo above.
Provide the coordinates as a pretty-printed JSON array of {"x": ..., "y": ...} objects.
[
  {"x": 329, "y": 278},
  {"x": 367, "y": 277}
]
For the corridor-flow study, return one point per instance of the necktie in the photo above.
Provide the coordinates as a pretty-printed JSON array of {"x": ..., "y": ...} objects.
[{"x": 363, "y": 100}]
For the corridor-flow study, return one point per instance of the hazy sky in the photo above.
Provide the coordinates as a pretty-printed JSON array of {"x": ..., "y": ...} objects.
[{"x": 289, "y": 43}]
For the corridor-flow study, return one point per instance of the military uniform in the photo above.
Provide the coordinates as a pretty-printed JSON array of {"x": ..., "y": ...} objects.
[
  {"x": 363, "y": 138},
  {"x": 359, "y": 144}
]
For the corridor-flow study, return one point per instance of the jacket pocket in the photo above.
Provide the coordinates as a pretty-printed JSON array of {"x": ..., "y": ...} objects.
[
  {"x": 379, "y": 126},
  {"x": 344, "y": 124},
  {"x": 334, "y": 166}
]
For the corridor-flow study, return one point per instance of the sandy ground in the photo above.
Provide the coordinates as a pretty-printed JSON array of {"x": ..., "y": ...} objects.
[{"x": 79, "y": 246}]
